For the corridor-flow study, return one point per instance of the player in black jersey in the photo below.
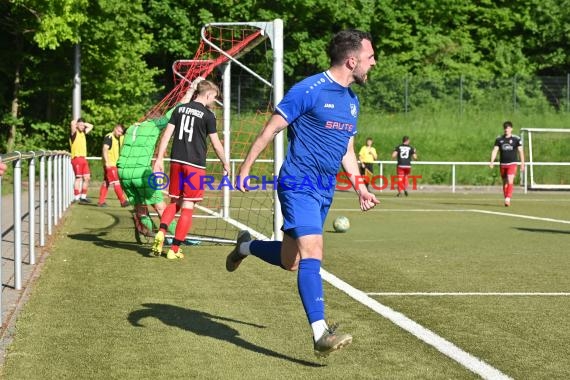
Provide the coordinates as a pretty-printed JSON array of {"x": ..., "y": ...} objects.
[
  {"x": 404, "y": 154},
  {"x": 189, "y": 126},
  {"x": 508, "y": 145}
]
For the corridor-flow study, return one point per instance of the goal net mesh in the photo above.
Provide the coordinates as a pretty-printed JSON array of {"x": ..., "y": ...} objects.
[{"x": 250, "y": 107}]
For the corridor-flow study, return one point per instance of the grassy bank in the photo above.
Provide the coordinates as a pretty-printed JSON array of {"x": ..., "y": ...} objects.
[{"x": 448, "y": 136}]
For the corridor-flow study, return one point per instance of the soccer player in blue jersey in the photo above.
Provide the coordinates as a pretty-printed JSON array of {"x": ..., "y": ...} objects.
[{"x": 320, "y": 108}]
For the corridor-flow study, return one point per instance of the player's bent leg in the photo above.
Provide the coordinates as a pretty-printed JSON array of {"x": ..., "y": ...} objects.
[
  {"x": 159, "y": 207},
  {"x": 331, "y": 341},
  {"x": 158, "y": 243},
  {"x": 310, "y": 285},
  {"x": 290, "y": 255},
  {"x": 235, "y": 257}
]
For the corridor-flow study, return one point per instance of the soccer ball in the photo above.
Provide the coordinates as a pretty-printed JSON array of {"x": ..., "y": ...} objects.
[{"x": 341, "y": 224}]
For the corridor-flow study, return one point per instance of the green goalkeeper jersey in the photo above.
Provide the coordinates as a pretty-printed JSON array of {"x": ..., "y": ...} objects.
[{"x": 134, "y": 162}]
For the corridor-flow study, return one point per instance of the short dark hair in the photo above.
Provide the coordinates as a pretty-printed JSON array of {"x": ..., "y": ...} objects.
[
  {"x": 405, "y": 138},
  {"x": 344, "y": 43},
  {"x": 80, "y": 120},
  {"x": 369, "y": 138},
  {"x": 507, "y": 124}
]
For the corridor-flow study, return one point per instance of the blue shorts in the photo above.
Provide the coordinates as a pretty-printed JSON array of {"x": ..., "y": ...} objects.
[{"x": 304, "y": 212}]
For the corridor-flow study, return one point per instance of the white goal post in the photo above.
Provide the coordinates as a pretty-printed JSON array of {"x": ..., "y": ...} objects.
[
  {"x": 531, "y": 180},
  {"x": 249, "y": 94}
]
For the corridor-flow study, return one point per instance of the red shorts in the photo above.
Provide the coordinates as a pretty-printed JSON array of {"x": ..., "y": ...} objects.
[
  {"x": 80, "y": 166},
  {"x": 186, "y": 181},
  {"x": 403, "y": 170},
  {"x": 508, "y": 169},
  {"x": 111, "y": 175}
]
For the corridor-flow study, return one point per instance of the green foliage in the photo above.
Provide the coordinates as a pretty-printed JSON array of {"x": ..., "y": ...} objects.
[{"x": 432, "y": 55}]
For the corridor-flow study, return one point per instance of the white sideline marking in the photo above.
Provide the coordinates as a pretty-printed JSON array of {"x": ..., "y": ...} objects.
[
  {"x": 458, "y": 210},
  {"x": 438, "y": 294},
  {"x": 521, "y": 216},
  {"x": 444, "y": 346},
  {"x": 356, "y": 209}
]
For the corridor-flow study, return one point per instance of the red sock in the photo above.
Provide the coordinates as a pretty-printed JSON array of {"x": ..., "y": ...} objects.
[
  {"x": 400, "y": 183},
  {"x": 119, "y": 192},
  {"x": 168, "y": 216},
  {"x": 505, "y": 190},
  {"x": 182, "y": 228},
  {"x": 510, "y": 187},
  {"x": 76, "y": 192},
  {"x": 103, "y": 192}
]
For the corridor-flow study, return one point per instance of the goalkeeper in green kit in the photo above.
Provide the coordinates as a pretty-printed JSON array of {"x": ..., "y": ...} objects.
[{"x": 134, "y": 166}]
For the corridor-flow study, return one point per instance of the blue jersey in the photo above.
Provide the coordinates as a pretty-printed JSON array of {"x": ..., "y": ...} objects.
[{"x": 322, "y": 117}]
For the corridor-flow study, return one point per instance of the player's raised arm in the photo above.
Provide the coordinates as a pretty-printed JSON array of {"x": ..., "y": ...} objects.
[
  {"x": 276, "y": 124},
  {"x": 88, "y": 127},
  {"x": 73, "y": 126},
  {"x": 167, "y": 134},
  {"x": 350, "y": 165},
  {"x": 191, "y": 90}
]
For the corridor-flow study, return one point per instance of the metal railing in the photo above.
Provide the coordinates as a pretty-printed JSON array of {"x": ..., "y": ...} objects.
[
  {"x": 451, "y": 164},
  {"x": 55, "y": 187},
  {"x": 454, "y": 164}
]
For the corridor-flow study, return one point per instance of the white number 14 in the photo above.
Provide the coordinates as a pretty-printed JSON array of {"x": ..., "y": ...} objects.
[{"x": 187, "y": 125}]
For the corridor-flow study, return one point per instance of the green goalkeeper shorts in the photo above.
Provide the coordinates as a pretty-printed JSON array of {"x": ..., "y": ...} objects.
[{"x": 134, "y": 182}]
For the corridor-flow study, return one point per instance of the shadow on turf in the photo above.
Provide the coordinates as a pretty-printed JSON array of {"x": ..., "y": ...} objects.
[
  {"x": 205, "y": 324},
  {"x": 543, "y": 230},
  {"x": 99, "y": 240}
]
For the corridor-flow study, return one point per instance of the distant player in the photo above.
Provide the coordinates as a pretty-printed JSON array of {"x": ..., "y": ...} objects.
[
  {"x": 508, "y": 145},
  {"x": 78, "y": 143},
  {"x": 190, "y": 125},
  {"x": 367, "y": 155},
  {"x": 404, "y": 154},
  {"x": 110, "y": 153}
]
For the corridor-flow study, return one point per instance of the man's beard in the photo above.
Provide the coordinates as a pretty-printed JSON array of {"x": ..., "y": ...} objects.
[{"x": 360, "y": 79}]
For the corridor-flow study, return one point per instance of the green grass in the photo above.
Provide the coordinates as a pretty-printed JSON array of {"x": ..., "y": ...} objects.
[
  {"x": 447, "y": 136},
  {"x": 104, "y": 309}
]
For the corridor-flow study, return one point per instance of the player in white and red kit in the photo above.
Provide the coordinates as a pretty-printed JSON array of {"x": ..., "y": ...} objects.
[{"x": 508, "y": 145}]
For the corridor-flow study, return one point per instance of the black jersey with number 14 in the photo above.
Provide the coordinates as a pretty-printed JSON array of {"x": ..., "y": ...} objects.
[
  {"x": 508, "y": 147},
  {"x": 193, "y": 122}
]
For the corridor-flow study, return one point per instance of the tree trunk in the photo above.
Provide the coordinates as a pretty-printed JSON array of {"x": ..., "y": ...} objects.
[{"x": 15, "y": 106}]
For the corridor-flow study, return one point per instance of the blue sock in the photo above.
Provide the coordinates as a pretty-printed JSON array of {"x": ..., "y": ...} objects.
[
  {"x": 268, "y": 251},
  {"x": 310, "y": 287}
]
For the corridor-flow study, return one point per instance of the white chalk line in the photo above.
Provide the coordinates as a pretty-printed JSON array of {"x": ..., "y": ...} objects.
[
  {"x": 469, "y": 294},
  {"x": 530, "y": 217},
  {"x": 444, "y": 346}
]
